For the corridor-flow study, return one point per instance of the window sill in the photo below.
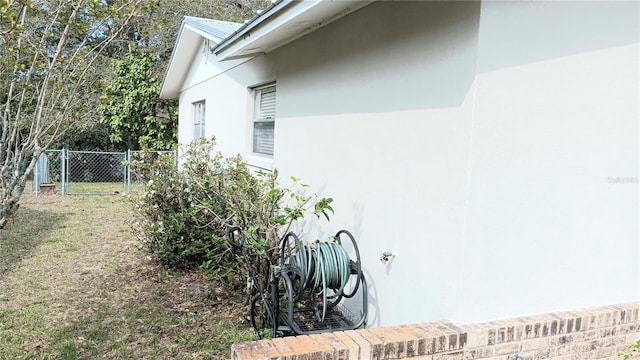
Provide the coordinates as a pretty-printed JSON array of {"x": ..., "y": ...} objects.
[{"x": 260, "y": 162}]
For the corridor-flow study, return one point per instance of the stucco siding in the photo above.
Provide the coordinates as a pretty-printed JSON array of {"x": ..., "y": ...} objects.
[
  {"x": 485, "y": 167},
  {"x": 493, "y": 147},
  {"x": 426, "y": 54},
  {"x": 555, "y": 121},
  {"x": 377, "y": 115},
  {"x": 225, "y": 87}
]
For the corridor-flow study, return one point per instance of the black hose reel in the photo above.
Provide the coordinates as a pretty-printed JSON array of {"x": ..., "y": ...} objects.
[{"x": 307, "y": 290}]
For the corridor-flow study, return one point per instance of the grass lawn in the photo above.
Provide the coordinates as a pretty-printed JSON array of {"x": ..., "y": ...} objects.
[
  {"x": 95, "y": 188},
  {"x": 73, "y": 285}
]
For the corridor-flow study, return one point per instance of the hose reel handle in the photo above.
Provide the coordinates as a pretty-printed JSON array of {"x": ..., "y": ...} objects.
[{"x": 232, "y": 232}]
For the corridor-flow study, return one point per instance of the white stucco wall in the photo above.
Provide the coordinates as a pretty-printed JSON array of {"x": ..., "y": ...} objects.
[
  {"x": 555, "y": 119},
  {"x": 389, "y": 142},
  {"x": 225, "y": 88},
  {"x": 480, "y": 142}
]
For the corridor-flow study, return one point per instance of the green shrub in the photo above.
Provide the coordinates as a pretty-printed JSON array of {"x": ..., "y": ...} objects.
[
  {"x": 182, "y": 215},
  {"x": 633, "y": 351},
  {"x": 167, "y": 222}
]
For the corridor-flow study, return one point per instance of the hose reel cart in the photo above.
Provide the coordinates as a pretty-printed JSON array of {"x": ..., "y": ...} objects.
[{"x": 306, "y": 291}]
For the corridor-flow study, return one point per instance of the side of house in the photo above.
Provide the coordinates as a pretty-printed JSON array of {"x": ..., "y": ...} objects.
[{"x": 492, "y": 147}]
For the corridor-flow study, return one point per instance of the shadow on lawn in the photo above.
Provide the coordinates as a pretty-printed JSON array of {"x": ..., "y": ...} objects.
[
  {"x": 24, "y": 232},
  {"x": 149, "y": 313}
]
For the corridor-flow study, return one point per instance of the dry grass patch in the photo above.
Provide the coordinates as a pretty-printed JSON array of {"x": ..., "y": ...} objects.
[{"x": 73, "y": 285}]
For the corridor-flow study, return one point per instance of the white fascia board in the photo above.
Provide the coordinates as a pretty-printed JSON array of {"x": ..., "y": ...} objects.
[
  {"x": 184, "y": 51},
  {"x": 204, "y": 34},
  {"x": 286, "y": 23}
]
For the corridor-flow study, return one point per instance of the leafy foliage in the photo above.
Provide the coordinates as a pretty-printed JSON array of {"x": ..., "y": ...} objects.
[
  {"x": 156, "y": 30},
  {"x": 49, "y": 49},
  {"x": 131, "y": 106},
  {"x": 131, "y": 110},
  {"x": 633, "y": 352},
  {"x": 182, "y": 215}
]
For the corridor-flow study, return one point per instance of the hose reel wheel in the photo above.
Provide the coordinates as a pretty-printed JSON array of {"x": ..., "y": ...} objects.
[
  {"x": 323, "y": 269},
  {"x": 307, "y": 288}
]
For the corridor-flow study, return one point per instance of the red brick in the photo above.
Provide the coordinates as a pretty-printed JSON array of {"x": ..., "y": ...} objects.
[
  {"x": 437, "y": 336},
  {"x": 478, "y": 353},
  {"x": 302, "y": 349},
  {"x": 248, "y": 351},
  {"x": 507, "y": 348},
  {"x": 395, "y": 345},
  {"x": 340, "y": 350},
  {"x": 352, "y": 347},
  {"x": 283, "y": 348},
  {"x": 450, "y": 331},
  {"x": 433, "y": 338},
  {"x": 476, "y": 335},
  {"x": 451, "y": 355},
  {"x": 492, "y": 337},
  {"x": 322, "y": 348},
  {"x": 270, "y": 350},
  {"x": 411, "y": 340},
  {"x": 377, "y": 344},
  {"x": 562, "y": 350},
  {"x": 586, "y": 334},
  {"x": 366, "y": 348},
  {"x": 422, "y": 338},
  {"x": 606, "y": 352},
  {"x": 593, "y": 320},
  {"x": 462, "y": 340},
  {"x": 533, "y": 344},
  {"x": 590, "y": 335},
  {"x": 571, "y": 325}
]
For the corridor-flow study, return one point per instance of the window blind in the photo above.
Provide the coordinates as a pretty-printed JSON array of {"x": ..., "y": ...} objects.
[
  {"x": 198, "y": 120},
  {"x": 267, "y": 103},
  {"x": 264, "y": 124},
  {"x": 263, "y": 132}
]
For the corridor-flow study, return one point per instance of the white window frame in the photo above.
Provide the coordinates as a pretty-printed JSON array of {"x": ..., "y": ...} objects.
[
  {"x": 199, "y": 119},
  {"x": 264, "y": 116}
]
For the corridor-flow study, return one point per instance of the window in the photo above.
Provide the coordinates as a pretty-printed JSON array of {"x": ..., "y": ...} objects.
[
  {"x": 264, "y": 119},
  {"x": 198, "y": 120}
]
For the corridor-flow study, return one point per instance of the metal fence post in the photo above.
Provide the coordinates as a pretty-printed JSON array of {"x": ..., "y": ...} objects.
[
  {"x": 129, "y": 160},
  {"x": 175, "y": 158},
  {"x": 63, "y": 172},
  {"x": 36, "y": 181}
]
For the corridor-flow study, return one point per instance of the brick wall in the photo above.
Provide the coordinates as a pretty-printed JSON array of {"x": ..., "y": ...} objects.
[{"x": 596, "y": 333}]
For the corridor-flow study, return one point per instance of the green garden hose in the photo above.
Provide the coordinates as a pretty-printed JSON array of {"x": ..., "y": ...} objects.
[
  {"x": 325, "y": 266},
  {"x": 319, "y": 269}
]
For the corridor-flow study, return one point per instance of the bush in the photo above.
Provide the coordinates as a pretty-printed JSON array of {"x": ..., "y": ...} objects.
[
  {"x": 168, "y": 224},
  {"x": 632, "y": 351},
  {"x": 182, "y": 215}
]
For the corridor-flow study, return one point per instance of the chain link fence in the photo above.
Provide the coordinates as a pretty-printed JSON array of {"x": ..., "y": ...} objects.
[
  {"x": 48, "y": 175},
  {"x": 93, "y": 172},
  {"x": 140, "y": 164}
]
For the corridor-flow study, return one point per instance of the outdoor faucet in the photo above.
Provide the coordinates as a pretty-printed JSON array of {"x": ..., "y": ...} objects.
[{"x": 386, "y": 255}]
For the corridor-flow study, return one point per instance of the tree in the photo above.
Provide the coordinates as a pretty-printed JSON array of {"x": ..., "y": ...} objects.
[
  {"x": 157, "y": 30},
  {"x": 49, "y": 49},
  {"x": 132, "y": 108}
]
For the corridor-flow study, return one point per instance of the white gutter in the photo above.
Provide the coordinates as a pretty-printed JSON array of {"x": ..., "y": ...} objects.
[
  {"x": 285, "y": 21},
  {"x": 275, "y": 7}
]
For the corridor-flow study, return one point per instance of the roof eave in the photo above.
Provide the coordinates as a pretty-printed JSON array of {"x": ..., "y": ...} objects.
[
  {"x": 285, "y": 21},
  {"x": 185, "y": 48}
]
